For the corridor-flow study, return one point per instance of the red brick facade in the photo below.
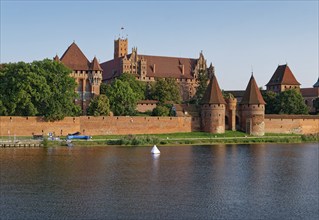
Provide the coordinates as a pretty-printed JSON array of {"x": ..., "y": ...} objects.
[{"x": 26, "y": 126}]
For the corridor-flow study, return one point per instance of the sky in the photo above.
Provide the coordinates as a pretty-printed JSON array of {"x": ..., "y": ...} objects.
[{"x": 237, "y": 37}]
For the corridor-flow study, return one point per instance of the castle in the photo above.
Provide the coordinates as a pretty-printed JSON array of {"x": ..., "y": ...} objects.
[
  {"x": 245, "y": 111},
  {"x": 147, "y": 68}
]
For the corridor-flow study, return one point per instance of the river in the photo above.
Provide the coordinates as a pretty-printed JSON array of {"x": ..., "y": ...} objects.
[{"x": 261, "y": 181}]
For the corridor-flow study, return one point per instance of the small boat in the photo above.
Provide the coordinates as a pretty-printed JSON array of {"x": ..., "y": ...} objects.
[
  {"x": 85, "y": 137},
  {"x": 155, "y": 150}
]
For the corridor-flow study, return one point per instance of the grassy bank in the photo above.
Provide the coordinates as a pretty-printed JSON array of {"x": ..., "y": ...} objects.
[
  {"x": 193, "y": 138},
  {"x": 189, "y": 138}
]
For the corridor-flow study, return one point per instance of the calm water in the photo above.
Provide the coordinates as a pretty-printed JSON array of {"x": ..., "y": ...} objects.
[{"x": 201, "y": 182}]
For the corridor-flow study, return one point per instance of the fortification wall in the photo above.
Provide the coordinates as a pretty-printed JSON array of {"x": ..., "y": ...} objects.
[
  {"x": 27, "y": 126},
  {"x": 298, "y": 124}
]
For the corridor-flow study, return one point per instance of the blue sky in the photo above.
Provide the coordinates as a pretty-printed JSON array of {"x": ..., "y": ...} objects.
[{"x": 236, "y": 36}]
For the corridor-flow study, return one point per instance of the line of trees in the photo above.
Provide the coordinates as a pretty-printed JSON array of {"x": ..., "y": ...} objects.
[{"x": 41, "y": 88}]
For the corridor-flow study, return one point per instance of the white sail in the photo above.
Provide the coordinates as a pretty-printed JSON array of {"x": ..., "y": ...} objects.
[{"x": 155, "y": 150}]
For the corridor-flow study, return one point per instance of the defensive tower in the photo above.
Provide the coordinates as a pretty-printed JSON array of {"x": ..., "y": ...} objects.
[
  {"x": 213, "y": 108},
  {"x": 252, "y": 108}
]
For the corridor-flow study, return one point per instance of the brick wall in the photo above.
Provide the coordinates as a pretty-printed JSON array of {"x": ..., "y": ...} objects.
[
  {"x": 26, "y": 126},
  {"x": 299, "y": 124}
]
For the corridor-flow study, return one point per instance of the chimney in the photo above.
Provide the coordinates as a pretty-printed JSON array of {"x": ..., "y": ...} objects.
[
  {"x": 182, "y": 69},
  {"x": 154, "y": 68}
]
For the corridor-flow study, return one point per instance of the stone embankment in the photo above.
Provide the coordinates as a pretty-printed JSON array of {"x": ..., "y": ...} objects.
[{"x": 21, "y": 143}]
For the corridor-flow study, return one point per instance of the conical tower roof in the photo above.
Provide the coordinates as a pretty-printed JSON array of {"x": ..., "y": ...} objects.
[
  {"x": 74, "y": 58},
  {"x": 213, "y": 94},
  {"x": 95, "y": 65},
  {"x": 316, "y": 85},
  {"x": 283, "y": 76},
  {"x": 56, "y": 58},
  {"x": 252, "y": 94}
]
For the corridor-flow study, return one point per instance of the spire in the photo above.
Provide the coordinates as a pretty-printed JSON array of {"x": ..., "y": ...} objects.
[
  {"x": 252, "y": 94},
  {"x": 316, "y": 85},
  {"x": 95, "y": 65},
  {"x": 213, "y": 94},
  {"x": 56, "y": 58}
]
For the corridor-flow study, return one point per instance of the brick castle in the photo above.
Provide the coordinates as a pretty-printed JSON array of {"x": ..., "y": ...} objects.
[{"x": 245, "y": 111}]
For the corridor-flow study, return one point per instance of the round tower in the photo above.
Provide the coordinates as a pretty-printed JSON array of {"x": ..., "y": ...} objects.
[
  {"x": 231, "y": 112},
  {"x": 213, "y": 118},
  {"x": 253, "y": 116},
  {"x": 213, "y": 109},
  {"x": 252, "y": 107}
]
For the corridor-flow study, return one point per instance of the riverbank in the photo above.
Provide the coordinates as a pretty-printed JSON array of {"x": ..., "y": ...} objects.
[{"x": 189, "y": 138}]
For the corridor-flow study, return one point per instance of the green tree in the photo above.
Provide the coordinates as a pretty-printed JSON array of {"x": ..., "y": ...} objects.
[
  {"x": 98, "y": 106},
  {"x": 122, "y": 98},
  {"x": 202, "y": 86},
  {"x": 161, "y": 110},
  {"x": 270, "y": 98},
  {"x": 166, "y": 90},
  {"x": 137, "y": 86},
  {"x": 42, "y": 88},
  {"x": 290, "y": 102},
  {"x": 104, "y": 87}
]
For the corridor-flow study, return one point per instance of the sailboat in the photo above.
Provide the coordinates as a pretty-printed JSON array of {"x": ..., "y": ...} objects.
[{"x": 155, "y": 150}]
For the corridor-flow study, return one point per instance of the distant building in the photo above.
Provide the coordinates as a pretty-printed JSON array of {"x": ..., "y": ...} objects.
[
  {"x": 282, "y": 80},
  {"x": 88, "y": 75},
  {"x": 147, "y": 68},
  {"x": 311, "y": 96}
]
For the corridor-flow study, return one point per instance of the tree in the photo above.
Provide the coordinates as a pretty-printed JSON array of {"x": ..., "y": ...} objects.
[
  {"x": 42, "y": 88},
  {"x": 270, "y": 98},
  {"x": 98, "y": 106},
  {"x": 104, "y": 87},
  {"x": 166, "y": 90},
  {"x": 290, "y": 102},
  {"x": 161, "y": 110},
  {"x": 202, "y": 86},
  {"x": 122, "y": 98},
  {"x": 138, "y": 87}
]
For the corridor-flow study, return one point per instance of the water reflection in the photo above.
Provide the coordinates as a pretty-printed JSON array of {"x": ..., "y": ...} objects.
[{"x": 201, "y": 182}]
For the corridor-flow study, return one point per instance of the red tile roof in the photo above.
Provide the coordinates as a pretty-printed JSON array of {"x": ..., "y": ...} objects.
[
  {"x": 111, "y": 68},
  {"x": 310, "y": 92},
  {"x": 213, "y": 94},
  {"x": 95, "y": 65},
  {"x": 74, "y": 58},
  {"x": 165, "y": 67},
  {"x": 283, "y": 76},
  {"x": 252, "y": 94}
]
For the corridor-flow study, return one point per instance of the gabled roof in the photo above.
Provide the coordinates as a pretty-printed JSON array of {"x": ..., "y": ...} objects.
[
  {"x": 74, "y": 58},
  {"x": 95, "y": 65},
  {"x": 283, "y": 76},
  {"x": 169, "y": 66},
  {"x": 316, "y": 85},
  {"x": 165, "y": 67},
  {"x": 252, "y": 94},
  {"x": 213, "y": 94}
]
